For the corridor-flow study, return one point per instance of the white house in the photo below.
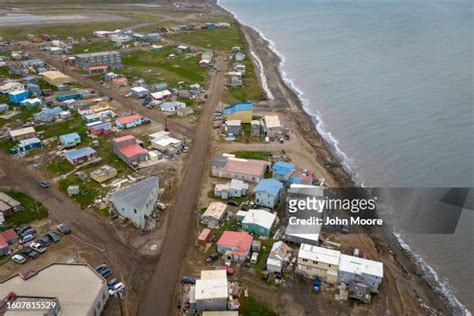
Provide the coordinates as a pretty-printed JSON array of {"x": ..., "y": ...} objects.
[
  {"x": 214, "y": 214},
  {"x": 318, "y": 261},
  {"x": 360, "y": 270},
  {"x": 238, "y": 188},
  {"x": 211, "y": 291},
  {"x": 137, "y": 202},
  {"x": 258, "y": 222},
  {"x": 279, "y": 256}
]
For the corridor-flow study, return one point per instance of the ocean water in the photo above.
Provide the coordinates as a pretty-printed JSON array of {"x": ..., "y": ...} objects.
[{"x": 391, "y": 83}]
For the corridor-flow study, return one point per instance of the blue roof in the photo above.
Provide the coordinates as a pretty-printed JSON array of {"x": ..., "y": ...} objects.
[
  {"x": 29, "y": 141},
  {"x": 71, "y": 137},
  {"x": 271, "y": 186},
  {"x": 167, "y": 105},
  {"x": 103, "y": 126},
  {"x": 238, "y": 107},
  {"x": 283, "y": 168},
  {"x": 81, "y": 152}
]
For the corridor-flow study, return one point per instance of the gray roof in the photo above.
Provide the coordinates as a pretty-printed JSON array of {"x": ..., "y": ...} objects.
[
  {"x": 137, "y": 194},
  {"x": 219, "y": 162}
]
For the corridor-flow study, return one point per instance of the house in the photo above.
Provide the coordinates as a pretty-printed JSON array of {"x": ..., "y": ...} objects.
[
  {"x": 318, "y": 261},
  {"x": 78, "y": 289},
  {"x": 11, "y": 86},
  {"x": 222, "y": 190},
  {"x": 169, "y": 107},
  {"x": 164, "y": 142},
  {"x": 34, "y": 90},
  {"x": 183, "y": 49},
  {"x": 272, "y": 126},
  {"x": 211, "y": 291},
  {"x": 101, "y": 129},
  {"x": 255, "y": 128},
  {"x": 97, "y": 69},
  {"x": 239, "y": 68},
  {"x": 156, "y": 48},
  {"x": 31, "y": 103},
  {"x": 128, "y": 149},
  {"x": 80, "y": 156},
  {"x": 258, "y": 222},
  {"x": 140, "y": 92},
  {"x": 240, "y": 215},
  {"x": 204, "y": 237},
  {"x": 22, "y": 133},
  {"x": 242, "y": 111},
  {"x": 129, "y": 121},
  {"x": 120, "y": 81},
  {"x": 103, "y": 173},
  {"x": 161, "y": 94},
  {"x": 235, "y": 245},
  {"x": 17, "y": 96},
  {"x": 184, "y": 111},
  {"x": 70, "y": 95},
  {"x": 4, "y": 247},
  {"x": 238, "y": 188},
  {"x": 10, "y": 236},
  {"x": 48, "y": 115},
  {"x": 298, "y": 233},
  {"x": 8, "y": 205},
  {"x": 233, "y": 127},
  {"x": 234, "y": 79},
  {"x": 214, "y": 214},
  {"x": 282, "y": 171},
  {"x": 111, "y": 59},
  {"x": 69, "y": 140},
  {"x": 137, "y": 201},
  {"x": 28, "y": 144},
  {"x": 359, "y": 270},
  {"x": 55, "y": 78},
  {"x": 249, "y": 170},
  {"x": 3, "y": 107},
  {"x": 210, "y": 26},
  {"x": 152, "y": 37},
  {"x": 267, "y": 192},
  {"x": 239, "y": 56},
  {"x": 279, "y": 256}
]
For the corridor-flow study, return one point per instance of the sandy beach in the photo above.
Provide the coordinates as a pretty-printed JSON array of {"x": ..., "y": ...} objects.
[{"x": 405, "y": 291}]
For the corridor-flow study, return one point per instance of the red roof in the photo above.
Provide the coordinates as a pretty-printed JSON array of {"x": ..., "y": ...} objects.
[
  {"x": 120, "y": 80},
  {"x": 129, "y": 119},
  {"x": 3, "y": 242},
  {"x": 101, "y": 67},
  {"x": 241, "y": 241},
  {"x": 123, "y": 138},
  {"x": 250, "y": 166},
  {"x": 132, "y": 150},
  {"x": 9, "y": 234},
  {"x": 204, "y": 234}
]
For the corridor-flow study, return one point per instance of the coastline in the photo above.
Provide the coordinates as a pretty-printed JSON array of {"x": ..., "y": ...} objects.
[{"x": 431, "y": 294}]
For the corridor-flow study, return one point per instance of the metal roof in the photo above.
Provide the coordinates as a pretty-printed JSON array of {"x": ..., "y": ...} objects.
[
  {"x": 136, "y": 195},
  {"x": 271, "y": 186}
]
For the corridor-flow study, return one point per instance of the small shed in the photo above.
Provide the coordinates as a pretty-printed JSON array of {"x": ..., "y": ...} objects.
[
  {"x": 204, "y": 237},
  {"x": 17, "y": 96},
  {"x": 73, "y": 190}
]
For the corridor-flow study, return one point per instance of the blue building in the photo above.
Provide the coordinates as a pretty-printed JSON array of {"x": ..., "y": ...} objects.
[
  {"x": 267, "y": 192},
  {"x": 69, "y": 95},
  {"x": 210, "y": 26},
  {"x": 35, "y": 63},
  {"x": 152, "y": 37},
  {"x": 70, "y": 140},
  {"x": 48, "y": 115},
  {"x": 79, "y": 156},
  {"x": 26, "y": 145},
  {"x": 17, "y": 96},
  {"x": 282, "y": 170},
  {"x": 241, "y": 111},
  {"x": 34, "y": 90},
  {"x": 3, "y": 107}
]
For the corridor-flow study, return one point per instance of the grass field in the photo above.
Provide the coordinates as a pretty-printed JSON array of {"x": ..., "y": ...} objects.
[
  {"x": 92, "y": 47},
  {"x": 250, "y": 307},
  {"x": 31, "y": 211},
  {"x": 74, "y": 124},
  {"x": 218, "y": 39},
  {"x": 155, "y": 67},
  {"x": 89, "y": 190},
  {"x": 259, "y": 155}
]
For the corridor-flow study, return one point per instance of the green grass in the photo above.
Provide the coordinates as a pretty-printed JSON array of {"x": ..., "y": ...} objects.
[
  {"x": 262, "y": 256},
  {"x": 258, "y": 155},
  {"x": 24, "y": 115},
  {"x": 59, "y": 166},
  {"x": 6, "y": 145},
  {"x": 218, "y": 39},
  {"x": 250, "y": 307},
  {"x": 46, "y": 85},
  {"x": 154, "y": 67},
  {"x": 89, "y": 190},
  {"x": 108, "y": 156},
  {"x": 73, "y": 124},
  {"x": 29, "y": 212},
  {"x": 92, "y": 47}
]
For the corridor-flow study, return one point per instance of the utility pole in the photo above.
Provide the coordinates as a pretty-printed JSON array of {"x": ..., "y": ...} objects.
[
  {"x": 166, "y": 124},
  {"x": 36, "y": 205}
]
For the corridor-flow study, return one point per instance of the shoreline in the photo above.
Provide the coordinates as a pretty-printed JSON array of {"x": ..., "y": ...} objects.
[{"x": 335, "y": 162}]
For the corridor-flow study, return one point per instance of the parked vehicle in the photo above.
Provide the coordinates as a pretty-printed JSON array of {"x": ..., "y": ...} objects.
[
  {"x": 30, "y": 253},
  {"x": 20, "y": 230},
  {"x": 44, "y": 184},
  {"x": 38, "y": 247},
  {"x": 356, "y": 252},
  {"x": 44, "y": 240},
  {"x": 233, "y": 203},
  {"x": 103, "y": 270},
  {"x": 25, "y": 238},
  {"x": 254, "y": 258},
  {"x": 53, "y": 236},
  {"x": 316, "y": 285},
  {"x": 64, "y": 229},
  {"x": 118, "y": 287},
  {"x": 212, "y": 257},
  {"x": 111, "y": 283},
  {"x": 18, "y": 259},
  {"x": 29, "y": 231},
  {"x": 186, "y": 279}
]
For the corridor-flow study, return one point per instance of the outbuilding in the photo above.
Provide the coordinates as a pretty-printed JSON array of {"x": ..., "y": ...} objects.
[
  {"x": 214, "y": 214},
  {"x": 69, "y": 140}
]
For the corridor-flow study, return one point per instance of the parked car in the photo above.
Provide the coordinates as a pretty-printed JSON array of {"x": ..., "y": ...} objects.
[
  {"x": 18, "y": 259},
  {"x": 30, "y": 253},
  {"x": 44, "y": 240},
  {"x": 38, "y": 247},
  {"x": 29, "y": 231},
  {"x": 233, "y": 203},
  {"x": 44, "y": 184},
  {"x": 20, "y": 230},
  {"x": 53, "y": 236},
  {"x": 213, "y": 256},
  {"x": 186, "y": 279},
  {"x": 103, "y": 270},
  {"x": 64, "y": 229},
  {"x": 25, "y": 238},
  {"x": 111, "y": 283},
  {"x": 118, "y": 287},
  {"x": 316, "y": 287}
]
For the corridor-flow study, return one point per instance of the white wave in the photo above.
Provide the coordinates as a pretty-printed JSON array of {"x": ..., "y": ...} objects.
[
  {"x": 442, "y": 287},
  {"x": 263, "y": 78}
]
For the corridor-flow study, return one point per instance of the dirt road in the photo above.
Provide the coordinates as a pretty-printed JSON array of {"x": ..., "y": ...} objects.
[
  {"x": 87, "y": 228},
  {"x": 159, "y": 292}
]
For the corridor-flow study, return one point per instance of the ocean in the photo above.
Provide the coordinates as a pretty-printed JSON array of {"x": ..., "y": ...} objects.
[{"x": 390, "y": 84}]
